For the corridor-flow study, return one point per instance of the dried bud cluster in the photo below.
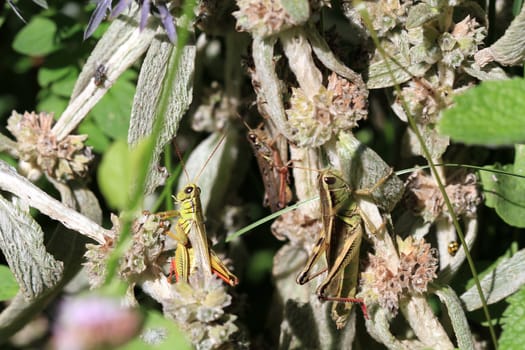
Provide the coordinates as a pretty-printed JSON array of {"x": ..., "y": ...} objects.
[
  {"x": 462, "y": 42},
  {"x": 297, "y": 228},
  {"x": 417, "y": 267},
  {"x": 425, "y": 100},
  {"x": 262, "y": 18},
  {"x": 385, "y": 15},
  {"x": 148, "y": 235},
  {"x": 199, "y": 312},
  {"x": 338, "y": 107},
  {"x": 40, "y": 151},
  {"x": 424, "y": 198}
]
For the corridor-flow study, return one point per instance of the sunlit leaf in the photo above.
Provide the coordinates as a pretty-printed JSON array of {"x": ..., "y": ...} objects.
[
  {"x": 37, "y": 38},
  {"x": 489, "y": 114},
  {"x": 505, "y": 193},
  {"x": 8, "y": 287},
  {"x": 513, "y": 335},
  {"x": 114, "y": 175}
]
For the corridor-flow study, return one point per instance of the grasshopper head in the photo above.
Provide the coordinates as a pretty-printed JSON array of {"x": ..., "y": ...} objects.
[
  {"x": 333, "y": 180},
  {"x": 190, "y": 191}
]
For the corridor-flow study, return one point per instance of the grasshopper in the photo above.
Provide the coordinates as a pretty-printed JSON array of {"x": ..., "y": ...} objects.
[
  {"x": 272, "y": 168},
  {"x": 340, "y": 241},
  {"x": 192, "y": 250}
]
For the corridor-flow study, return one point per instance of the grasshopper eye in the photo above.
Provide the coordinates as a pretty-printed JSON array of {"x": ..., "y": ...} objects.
[
  {"x": 188, "y": 190},
  {"x": 252, "y": 137},
  {"x": 329, "y": 180}
]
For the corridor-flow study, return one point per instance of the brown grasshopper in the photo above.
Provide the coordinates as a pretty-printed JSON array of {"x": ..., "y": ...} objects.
[
  {"x": 340, "y": 241},
  {"x": 274, "y": 172}
]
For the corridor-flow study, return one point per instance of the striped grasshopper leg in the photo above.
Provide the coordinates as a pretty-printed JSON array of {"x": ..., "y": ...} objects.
[
  {"x": 272, "y": 168},
  {"x": 184, "y": 260}
]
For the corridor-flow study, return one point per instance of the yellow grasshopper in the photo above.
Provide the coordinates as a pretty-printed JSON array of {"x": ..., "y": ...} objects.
[
  {"x": 192, "y": 250},
  {"x": 340, "y": 241}
]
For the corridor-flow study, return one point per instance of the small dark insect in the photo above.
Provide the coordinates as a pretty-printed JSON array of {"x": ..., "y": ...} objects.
[
  {"x": 453, "y": 247},
  {"x": 100, "y": 75}
]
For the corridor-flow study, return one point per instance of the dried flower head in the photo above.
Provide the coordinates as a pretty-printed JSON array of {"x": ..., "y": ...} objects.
[
  {"x": 149, "y": 233},
  {"x": 425, "y": 100},
  {"x": 385, "y": 15},
  {"x": 160, "y": 9},
  {"x": 94, "y": 323},
  {"x": 338, "y": 107},
  {"x": 97, "y": 256},
  {"x": 199, "y": 312},
  {"x": 297, "y": 228},
  {"x": 263, "y": 18},
  {"x": 40, "y": 151},
  {"x": 417, "y": 267},
  {"x": 424, "y": 198}
]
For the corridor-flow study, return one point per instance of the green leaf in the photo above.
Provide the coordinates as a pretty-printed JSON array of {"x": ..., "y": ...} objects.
[
  {"x": 37, "y": 38},
  {"x": 489, "y": 114},
  {"x": 52, "y": 104},
  {"x": 119, "y": 172},
  {"x": 159, "y": 333},
  {"x": 96, "y": 139},
  {"x": 112, "y": 113},
  {"x": 513, "y": 335},
  {"x": 114, "y": 175},
  {"x": 506, "y": 193},
  {"x": 64, "y": 86},
  {"x": 7, "y": 104},
  {"x": 9, "y": 287},
  {"x": 260, "y": 265},
  {"x": 47, "y": 75}
]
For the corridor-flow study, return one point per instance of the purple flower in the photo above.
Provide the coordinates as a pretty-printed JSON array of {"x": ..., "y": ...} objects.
[
  {"x": 102, "y": 8},
  {"x": 161, "y": 10},
  {"x": 94, "y": 322}
]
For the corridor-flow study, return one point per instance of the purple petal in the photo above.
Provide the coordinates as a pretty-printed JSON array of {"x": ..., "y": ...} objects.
[
  {"x": 167, "y": 22},
  {"x": 144, "y": 13},
  {"x": 121, "y": 6},
  {"x": 97, "y": 17}
]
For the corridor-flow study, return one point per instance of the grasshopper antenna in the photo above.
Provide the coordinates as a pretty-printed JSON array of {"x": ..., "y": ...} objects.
[
  {"x": 182, "y": 161},
  {"x": 211, "y": 155}
]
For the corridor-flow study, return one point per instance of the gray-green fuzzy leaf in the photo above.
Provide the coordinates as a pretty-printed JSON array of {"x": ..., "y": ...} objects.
[
  {"x": 506, "y": 279},
  {"x": 149, "y": 90},
  {"x": 22, "y": 242},
  {"x": 509, "y": 50},
  {"x": 457, "y": 317}
]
